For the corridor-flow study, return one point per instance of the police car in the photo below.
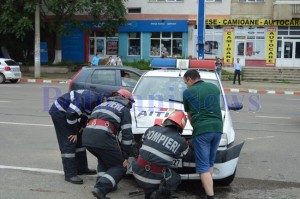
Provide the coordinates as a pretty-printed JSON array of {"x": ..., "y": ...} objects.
[{"x": 159, "y": 92}]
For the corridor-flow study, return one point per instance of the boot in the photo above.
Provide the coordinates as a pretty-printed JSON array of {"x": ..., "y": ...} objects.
[
  {"x": 99, "y": 194},
  {"x": 74, "y": 180}
]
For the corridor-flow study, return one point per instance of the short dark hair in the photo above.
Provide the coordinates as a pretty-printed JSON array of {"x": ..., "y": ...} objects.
[{"x": 192, "y": 74}]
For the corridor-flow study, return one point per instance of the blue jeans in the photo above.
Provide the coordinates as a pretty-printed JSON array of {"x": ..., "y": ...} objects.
[{"x": 205, "y": 147}]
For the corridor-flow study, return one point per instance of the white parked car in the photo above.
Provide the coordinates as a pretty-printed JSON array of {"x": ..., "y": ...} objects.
[
  {"x": 9, "y": 70},
  {"x": 158, "y": 93}
]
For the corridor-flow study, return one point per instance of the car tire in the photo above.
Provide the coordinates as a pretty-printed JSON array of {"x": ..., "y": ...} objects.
[
  {"x": 225, "y": 181},
  {"x": 14, "y": 80},
  {"x": 2, "y": 78}
]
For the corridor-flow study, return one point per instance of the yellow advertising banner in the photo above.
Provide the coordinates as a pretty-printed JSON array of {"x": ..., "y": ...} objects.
[
  {"x": 252, "y": 22},
  {"x": 228, "y": 45},
  {"x": 271, "y": 46}
]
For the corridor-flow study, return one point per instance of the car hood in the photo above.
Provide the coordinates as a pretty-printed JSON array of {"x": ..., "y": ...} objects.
[{"x": 146, "y": 112}]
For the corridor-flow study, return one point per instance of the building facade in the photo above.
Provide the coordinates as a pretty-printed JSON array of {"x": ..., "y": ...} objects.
[{"x": 253, "y": 30}]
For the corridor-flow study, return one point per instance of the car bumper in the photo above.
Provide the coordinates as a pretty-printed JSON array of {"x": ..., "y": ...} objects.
[
  {"x": 13, "y": 75},
  {"x": 225, "y": 163}
]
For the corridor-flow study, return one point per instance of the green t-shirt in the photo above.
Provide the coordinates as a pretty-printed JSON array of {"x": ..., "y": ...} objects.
[{"x": 202, "y": 100}]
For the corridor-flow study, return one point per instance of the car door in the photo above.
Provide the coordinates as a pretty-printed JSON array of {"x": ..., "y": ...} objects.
[{"x": 103, "y": 80}]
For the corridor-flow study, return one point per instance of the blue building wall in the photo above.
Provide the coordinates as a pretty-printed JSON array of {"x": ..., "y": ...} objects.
[{"x": 73, "y": 45}]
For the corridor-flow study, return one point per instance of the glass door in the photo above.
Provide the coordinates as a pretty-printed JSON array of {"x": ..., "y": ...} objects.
[{"x": 100, "y": 46}]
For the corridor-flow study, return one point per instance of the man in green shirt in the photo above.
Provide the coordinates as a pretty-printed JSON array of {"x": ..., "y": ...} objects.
[{"x": 201, "y": 101}]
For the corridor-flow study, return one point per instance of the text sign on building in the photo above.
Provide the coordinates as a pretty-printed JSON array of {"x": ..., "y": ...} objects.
[
  {"x": 252, "y": 22},
  {"x": 228, "y": 45},
  {"x": 271, "y": 46}
]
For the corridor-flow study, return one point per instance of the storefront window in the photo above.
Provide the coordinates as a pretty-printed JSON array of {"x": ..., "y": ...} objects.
[
  {"x": 250, "y": 42},
  {"x": 134, "y": 43},
  {"x": 112, "y": 46},
  {"x": 166, "y": 44},
  {"x": 213, "y": 46}
]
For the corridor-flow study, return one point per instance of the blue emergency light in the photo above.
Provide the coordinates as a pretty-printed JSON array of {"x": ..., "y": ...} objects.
[{"x": 163, "y": 63}]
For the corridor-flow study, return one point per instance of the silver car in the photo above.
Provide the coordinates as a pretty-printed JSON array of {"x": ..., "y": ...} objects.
[{"x": 9, "y": 70}]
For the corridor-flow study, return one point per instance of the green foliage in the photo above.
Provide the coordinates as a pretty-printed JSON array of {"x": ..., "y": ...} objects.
[
  {"x": 64, "y": 12},
  {"x": 142, "y": 64},
  {"x": 16, "y": 18}
]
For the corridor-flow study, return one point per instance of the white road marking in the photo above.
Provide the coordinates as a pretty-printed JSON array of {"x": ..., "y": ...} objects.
[
  {"x": 286, "y": 118},
  {"x": 31, "y": 169},
  {"x": 5, "y": 101},
  {"x": 293, "y": 99},
  {"x": 256, "y": 138},
  {"x": 26, "y": 124}
]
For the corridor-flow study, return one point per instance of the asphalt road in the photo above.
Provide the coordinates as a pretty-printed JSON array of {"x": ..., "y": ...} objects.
[{"x": 30, "y": 164}]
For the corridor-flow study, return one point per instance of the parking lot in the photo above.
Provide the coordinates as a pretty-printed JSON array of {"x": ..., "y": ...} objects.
[{"x": 30, "y": 164}]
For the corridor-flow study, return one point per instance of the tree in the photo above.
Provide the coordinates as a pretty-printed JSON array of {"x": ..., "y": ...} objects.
[
  {"x": 16, "y": 19},
  {"x": 59, "y": 13}
]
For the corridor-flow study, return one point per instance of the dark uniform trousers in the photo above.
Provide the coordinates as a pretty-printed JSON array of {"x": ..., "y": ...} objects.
[
  {"x": 151, "y": 181},
  {"x": 73, "y": 154},
  {"x": 110, "y": 168}
]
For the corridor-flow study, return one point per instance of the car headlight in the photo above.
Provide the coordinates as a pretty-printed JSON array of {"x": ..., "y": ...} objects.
[{"x": 224, "y": 140}]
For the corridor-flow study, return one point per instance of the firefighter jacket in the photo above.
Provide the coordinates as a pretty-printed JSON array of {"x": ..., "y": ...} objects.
[
  {"x": 77, "y": 105},
  {"x": 162, "y": 145},
  {"x": 117, "y": 113}
]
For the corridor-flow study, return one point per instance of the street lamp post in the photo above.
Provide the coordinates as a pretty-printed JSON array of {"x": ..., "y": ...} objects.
[
  {"x": 201, "y": 28},
  {"x": 37, "y": 50}
]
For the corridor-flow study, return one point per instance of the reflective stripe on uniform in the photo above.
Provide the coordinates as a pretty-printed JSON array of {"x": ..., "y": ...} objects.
[
  {"x": 68, "y": 155},
  {"x": 110, "y": 178},
  {"x": 58, "y": 106},
  {"x": 157, "y": 153},
  {"x": 100, "y": 174},
  {"x": 126, "y": 126},
  {"x": 72, "y": 121},
  {"x": 127, "y": 142},
  {"x": 104, "y": 128},
  {"x": 108, "y": 112},
  {"x": 146, "y": 180},
  {"x": 72, "y": 96},
  {"x": 75, "y": 108},
  {"x": 80, "y": 149}
]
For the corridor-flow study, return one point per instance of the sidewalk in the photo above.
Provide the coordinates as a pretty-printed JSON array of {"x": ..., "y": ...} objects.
[{"x": 246, "y": 87}]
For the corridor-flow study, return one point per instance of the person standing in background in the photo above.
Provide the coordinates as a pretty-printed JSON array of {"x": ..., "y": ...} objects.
[
  {"x": 119, "y": 61},
  {"x": 96, "y": 59},
  {"x": 219, "y": 67},
  {"x": 237, "y": 70}
]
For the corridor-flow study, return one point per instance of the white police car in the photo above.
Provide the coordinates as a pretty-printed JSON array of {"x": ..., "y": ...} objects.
[
  {"x": 9, "y": 70},
  {"x": 159, "y": 92}
]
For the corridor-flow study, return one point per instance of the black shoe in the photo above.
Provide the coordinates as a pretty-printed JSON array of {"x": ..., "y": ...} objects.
[
  {"x": 87, "y": 171},
  {"x": 98, "y": 194},
  {"x": 74, "y": 180}
]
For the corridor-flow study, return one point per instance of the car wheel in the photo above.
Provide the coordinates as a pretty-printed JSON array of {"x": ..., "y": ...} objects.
[
  {"x": 2, "y": 78},
  {"x": 226, "y": 181},
  {"x": 14, "y": 80}
]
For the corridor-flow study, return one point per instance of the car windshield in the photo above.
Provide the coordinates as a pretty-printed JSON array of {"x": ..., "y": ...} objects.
[{"x": 165, "y": 89}]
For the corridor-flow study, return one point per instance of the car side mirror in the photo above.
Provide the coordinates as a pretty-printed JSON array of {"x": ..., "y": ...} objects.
[{"x": 235, "y": 106}]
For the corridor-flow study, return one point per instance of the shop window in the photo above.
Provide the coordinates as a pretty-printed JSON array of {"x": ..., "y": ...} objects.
[
  {"x": 112, "y": 45},
  {"x": 166, "y": 44},
  {"x": 134, "y": 43},
  {"x": 134, "y": 10},
  {"x": 279, "y": 48},
  {"x": 213, "y": 0}
]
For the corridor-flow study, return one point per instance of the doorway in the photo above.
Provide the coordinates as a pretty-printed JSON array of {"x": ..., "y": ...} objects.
[
  {"x": 97, "y": 45},
  {"x": 288, "y": 53}
]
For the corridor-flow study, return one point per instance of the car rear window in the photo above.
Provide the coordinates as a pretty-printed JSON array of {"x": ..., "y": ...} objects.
[{"x": 11, "y": 63}]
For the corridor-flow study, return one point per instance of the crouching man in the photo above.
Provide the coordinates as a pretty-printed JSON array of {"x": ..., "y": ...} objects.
[{"x": 161, "y": 145}]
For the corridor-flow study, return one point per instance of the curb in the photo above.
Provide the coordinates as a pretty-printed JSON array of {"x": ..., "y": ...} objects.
[
  {"x": 261, "y": 91},
  {"x": 46, "y": 81},
  {"x": 233, "y": 90}
]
